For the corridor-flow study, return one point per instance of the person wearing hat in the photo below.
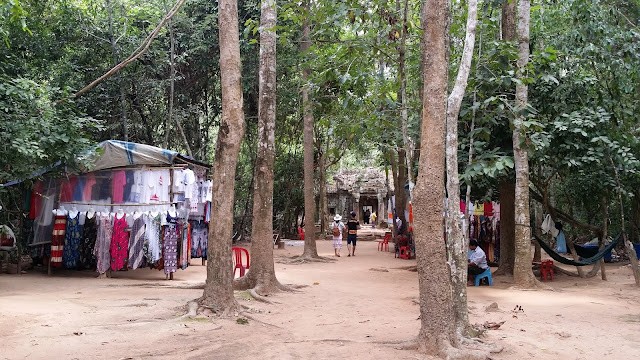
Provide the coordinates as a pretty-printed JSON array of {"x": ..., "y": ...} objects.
[
  {"x": 337, "y": 230},
  {"x": 353, "y": 225},
  {"x": 477, "y": 259}
]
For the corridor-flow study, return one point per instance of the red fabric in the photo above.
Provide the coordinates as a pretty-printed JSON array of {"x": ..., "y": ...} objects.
[
  {"x": 119, "y": 181},
  {"x": 36, "y": 201},
  {"x": 88, "y": 187},
  {"x": 463, "y": 207},
  {"x": 57, "y": 240},
  {"x": 119, "y": 244},
  {"x": 488, "y": 209},
  {"x": 66, "y": 195}
]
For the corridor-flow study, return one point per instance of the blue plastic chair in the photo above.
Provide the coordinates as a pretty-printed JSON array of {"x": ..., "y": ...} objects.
[{"x": 485, "y": 274}]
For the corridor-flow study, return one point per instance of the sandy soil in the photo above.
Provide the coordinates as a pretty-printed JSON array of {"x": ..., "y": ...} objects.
[{"x": 350, "y": 309}]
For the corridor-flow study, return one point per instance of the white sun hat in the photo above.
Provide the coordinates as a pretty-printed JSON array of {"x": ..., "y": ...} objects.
[{"x": 337, "y": 217}]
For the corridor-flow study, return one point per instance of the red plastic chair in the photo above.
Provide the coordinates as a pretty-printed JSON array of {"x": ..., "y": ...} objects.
[
  {"x": 384, "y": 244},
  {"x": 405, "y": 252},
  {"x": 237, "y": 260},
  {"x": 546, "y": 268},
  {"x": 301, "y": 233}
]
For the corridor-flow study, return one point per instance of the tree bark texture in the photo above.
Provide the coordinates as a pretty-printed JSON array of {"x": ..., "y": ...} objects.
[
  {"x": 310, "y": 249},
  {"x": 457, "y": 239},
  {"x": 401, "y": 197},
  {"x": 172, "y": 81},
  {"x": 605, "y": 233},
  {"x": 324, "y": 208},
  {"x": 507, "y": 228},
  {"x": 537, "y": 211},
  {"x": 114, "y": 52},
  {"x": 218, "y": 291},
  {"x": 409, "y": 144},
  {"x": 509, "y": 20},
  {"x": 261, "y": 275},
  {"x": 394, "y": 203},
  {"x": 522, "y": 273},
  {"x": 437, "y": 333}
]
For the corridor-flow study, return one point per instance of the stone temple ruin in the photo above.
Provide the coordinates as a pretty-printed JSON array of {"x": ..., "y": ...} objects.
[{"x": 358, "y": 190}]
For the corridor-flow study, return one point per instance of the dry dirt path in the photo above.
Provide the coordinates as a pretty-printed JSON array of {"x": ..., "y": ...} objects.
[{"x": 355, "y": 311}]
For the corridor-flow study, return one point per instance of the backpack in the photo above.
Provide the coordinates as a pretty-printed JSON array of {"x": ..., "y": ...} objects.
[{"x": 336, "y": 230}]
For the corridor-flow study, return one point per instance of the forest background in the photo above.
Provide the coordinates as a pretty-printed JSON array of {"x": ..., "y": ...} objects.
[{"x": 581, "y": 124}]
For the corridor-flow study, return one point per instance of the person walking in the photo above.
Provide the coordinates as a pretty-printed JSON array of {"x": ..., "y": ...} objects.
[
  {"x": 337, "y": 230},
  {"x": 352, "y": 225},
  {"x": 373, "y": 220}
]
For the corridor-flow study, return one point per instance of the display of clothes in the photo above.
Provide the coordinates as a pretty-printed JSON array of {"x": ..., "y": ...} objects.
[
  {"x": 484, "y": 226},
  {"x": 142, "y": 233},
  {"x": 72, "y": 240}
]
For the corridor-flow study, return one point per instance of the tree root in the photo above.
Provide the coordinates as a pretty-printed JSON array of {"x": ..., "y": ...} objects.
[
  {"x": 244, "y": 314},
  {"x": 298, "y": 260},
  {"x": 259, "y": 297},
  {"x": 477, "y": 344}
]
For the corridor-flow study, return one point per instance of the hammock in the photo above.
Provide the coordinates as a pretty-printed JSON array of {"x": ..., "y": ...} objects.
[{"x": 588, "y": 261}]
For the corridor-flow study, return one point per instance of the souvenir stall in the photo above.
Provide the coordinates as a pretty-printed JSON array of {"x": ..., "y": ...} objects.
[
  {"x": 484, "y": 226},
  {"x": 130, "y": 206}
]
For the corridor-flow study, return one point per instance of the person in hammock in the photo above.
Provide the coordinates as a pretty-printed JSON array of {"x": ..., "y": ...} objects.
[{"x": 477, "y": 260}]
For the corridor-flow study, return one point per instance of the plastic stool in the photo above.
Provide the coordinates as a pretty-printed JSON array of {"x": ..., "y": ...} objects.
[
  {"x": 485, "y": 274},
  {"x": 546, "y": 268}
]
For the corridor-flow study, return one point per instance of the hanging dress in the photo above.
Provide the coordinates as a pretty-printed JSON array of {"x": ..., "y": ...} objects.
[
  {"x": 119, "y": 244},
  {"x": 136, "y": 243},
  {"x": 89, "y": 234},
  {"x": 72, "y": 239},
  {"x": 170, "y": 245},
  {"x": 103, "y": 242},
  {"x": 152, "y": 246},
  {"x": 199, "y": 234},
  {"x": 57, "y": 240}
]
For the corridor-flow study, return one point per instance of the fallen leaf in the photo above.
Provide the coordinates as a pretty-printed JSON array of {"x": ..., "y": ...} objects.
[
  {"x": 492, "y": 325},
  {"x": 316, "y": 283}
]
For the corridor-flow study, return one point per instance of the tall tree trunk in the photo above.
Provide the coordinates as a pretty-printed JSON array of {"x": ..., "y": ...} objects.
[
  {"x": 507, "y": 187},
  {"x": 605, "y": 233},
  {"x": 457, "y": 239},
  {"x": 114, "y": 52},
  {"x": 262, "y": 275},
  {"x": 537, "y": 210},
  {"x": 401, "y": 197},
  {"x": 218, "y": 291},
  {"x": 523, "y": 276},
  {"x": 322, "y": 177},
  {"x": 409, "y": 144},
  {"x": 394, "y": 203},
  {"x": 507, "y": 228},
  {"x": 509, "y": 20},
  {"x": 172, "y": 81},
  {"x": 310, "y": 249},
  {"x": 437, "y": 331},
  {"x": 631, "y": 251}
]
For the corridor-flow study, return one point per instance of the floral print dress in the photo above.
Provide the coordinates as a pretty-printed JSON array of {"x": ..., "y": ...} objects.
[
  {"x": 72, "y": 239},
  {"x": 119, "y": 244}
]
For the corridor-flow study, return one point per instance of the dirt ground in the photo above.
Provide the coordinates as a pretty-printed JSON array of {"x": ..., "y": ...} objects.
[{"x": 355, "y": 308}]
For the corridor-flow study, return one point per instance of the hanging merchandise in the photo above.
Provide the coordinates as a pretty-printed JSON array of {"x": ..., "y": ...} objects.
[
  {"x": 119, "y": 242},
  {"x": 87, "y": 259},
  {"x": 199, "y": 239},
  {"x": 103, "y": 243},
  {"x": 136, "y": 242},
  {"x": 152, "y": 238},
  {"x": 57, "y": 240},
  {"x": 170, "y": 245},
  {"x": 73, "y": 237}
]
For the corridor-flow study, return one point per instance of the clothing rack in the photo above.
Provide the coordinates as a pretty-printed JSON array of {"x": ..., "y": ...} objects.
[{"x": 123, "y": 204}]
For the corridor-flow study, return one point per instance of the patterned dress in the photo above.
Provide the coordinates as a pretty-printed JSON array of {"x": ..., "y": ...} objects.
[
  {"x": 57, "y": 240},
  {"x": 103, "y": 242},
  {"x": 72, "y": 239},
  {"x": 171, "y": 236},
  {"x": 136, "y": 243},
  {"x": 199, "y": 238},
  {"x": 119, "y": 244},
  {"x": 152, "y": 246},
  {"x": 89, "y": 234}
]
